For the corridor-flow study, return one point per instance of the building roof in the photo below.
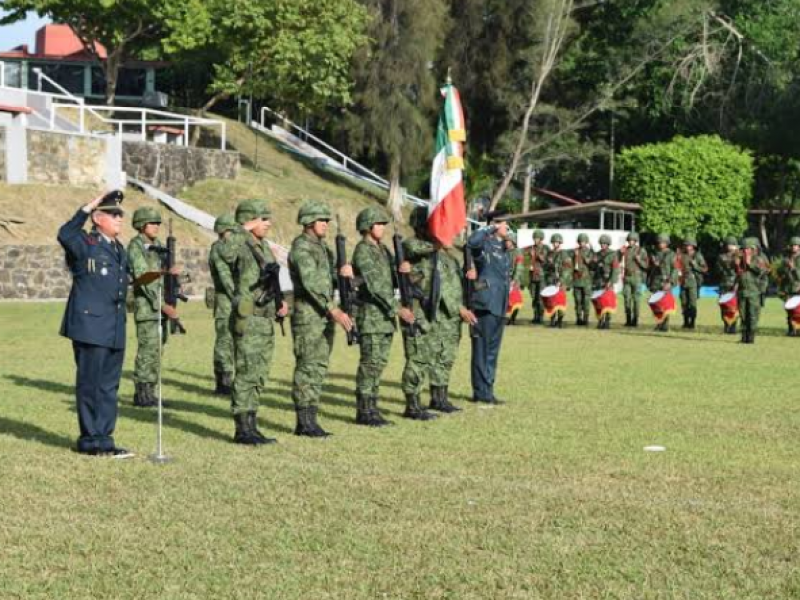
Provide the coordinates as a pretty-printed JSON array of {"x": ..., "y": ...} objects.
[{"x": 587, "y": 208}]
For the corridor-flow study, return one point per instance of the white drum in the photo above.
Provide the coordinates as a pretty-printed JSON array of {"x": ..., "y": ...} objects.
[
  {"x": 726, "y": 299},
  {"x": 550, "y": 291},
  {"x": 792, "y": 304},
  {"x": 598, "y": 294},
  {"x": 657, "y": 297}
]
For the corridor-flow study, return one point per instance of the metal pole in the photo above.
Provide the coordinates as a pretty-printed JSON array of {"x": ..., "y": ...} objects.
[{"x": 159, "y": 457}]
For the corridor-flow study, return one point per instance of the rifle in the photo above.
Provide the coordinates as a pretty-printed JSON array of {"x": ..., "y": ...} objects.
[
  {"x": 172, "y": 283},
  {"x": 347, "y": 292},
  {"x": 469, "y": 287},
  {"x": 404, "y": 285},
  {"x": 269, "y": 281}
]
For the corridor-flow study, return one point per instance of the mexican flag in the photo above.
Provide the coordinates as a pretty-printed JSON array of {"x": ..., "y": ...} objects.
[{"x": 447, "y": 214}]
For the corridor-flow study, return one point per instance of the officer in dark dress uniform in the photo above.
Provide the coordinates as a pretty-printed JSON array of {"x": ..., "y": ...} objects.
[
  {"x": 95, "y": 319},
  {"x": 493, "y": 250}
]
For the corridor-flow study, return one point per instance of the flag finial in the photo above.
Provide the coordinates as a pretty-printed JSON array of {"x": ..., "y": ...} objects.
[{"x": 449, "y": 80}]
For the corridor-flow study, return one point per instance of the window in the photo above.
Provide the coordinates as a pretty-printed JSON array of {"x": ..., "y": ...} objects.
[
  {"x": 68, "y": 76},
  {"x": 130, "y": 82},
  {"x": 12, "y": 74}
]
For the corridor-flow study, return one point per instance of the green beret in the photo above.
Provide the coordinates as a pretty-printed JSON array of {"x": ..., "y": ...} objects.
[
  {"x": 369, "y": 217},
  {"x": 252, "y": 209},
  {"x": 224, "y": 223},
  {"x": 144, "y": 215}
]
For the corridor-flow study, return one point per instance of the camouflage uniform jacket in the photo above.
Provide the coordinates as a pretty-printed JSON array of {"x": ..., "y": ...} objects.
[
  {"x": 748, "y": 278},
  {"x": 313, "y": 270},
  {"x": 662, "y": 270},
  {"x": 536, "y": 259},
  {"x": 420, "y": 254},
  {"x": 583, "y": 259},
  {"x": 634, "y": 262},
  {"x": 240, "y": 252},
  {"x": 789, "y": 272},
  {"x": 726, "y": 267},
  {"x": 606, "y": 268},
  {"x": 141, "y": 261},
  {"x": 763, "y": 281},
  {"x": 373, "y": 268},
  {"x": 222, "y": 278},
  {"x": 560, "y": 268},
  {"x": 692, "y": 269}
]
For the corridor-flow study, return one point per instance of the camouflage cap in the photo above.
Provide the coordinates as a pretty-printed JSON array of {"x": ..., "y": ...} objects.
[
  {"x": 538, "y": 234},
  {"x": 583, "y": 238},
  {"x": 663, "y": 238},
  {"x": 419, "y": 218},
  {"x": 369, "y": 217},
  {"x": 605, "y": 239},
  {"x": 794, "y": 241},
  {"x": 690, "y": 241},
  {"x": 633, "y": 236},
  {"x": 731, "y": 241},
  {"x": 144, "y": 215},
  {"x": 247, "y": 210},
  {"x": 313, "y": 211},
  {"x": 224, "y": 223},
  {"x": 556, "y": 238}
]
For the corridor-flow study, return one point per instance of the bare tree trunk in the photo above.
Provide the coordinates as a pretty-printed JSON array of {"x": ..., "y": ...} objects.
[
  {"x": 111, "y": 71},
  {"x": 395, "y": 201}
]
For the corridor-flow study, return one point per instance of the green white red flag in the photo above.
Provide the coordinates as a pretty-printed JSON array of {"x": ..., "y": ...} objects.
[{"x": 447, "y": 214}]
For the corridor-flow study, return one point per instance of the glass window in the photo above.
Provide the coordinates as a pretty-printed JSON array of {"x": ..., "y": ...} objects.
[
  {"x": 130, "y": 82},
  {"x": 68, "y": 76},
  {"x": 12, "y": 72}
]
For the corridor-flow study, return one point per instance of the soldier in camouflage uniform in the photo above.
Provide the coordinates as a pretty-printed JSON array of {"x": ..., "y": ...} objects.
[
  {"x": 662, "y": 275},
  {"x": 763, "y": 282},
  {"x": 583, "y": 259},
  {"x": 146, "y": 309},
  {"x": 224, "y": 289},
  {"x": 537, "y": 259},
  {"x": 606, "y": 273},
  {"x": 559, "y": 271},
  {"x": 634, "y": 268},
  {"x": 439, "y": 310},
  {"x": 693, "y": 267},
  {"x": 789, "y": 273},
  {"x": 750, "y": 269},
  {"x": 313, "y": 269},
  {"x": 377, "y": 314},
  {"x": 248, "y": 257},
  {"x": 726, "y": 265}
]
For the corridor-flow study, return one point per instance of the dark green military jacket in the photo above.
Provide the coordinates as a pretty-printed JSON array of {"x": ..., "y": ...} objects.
[
  {"x": 789, "y": 273},
  {"x": 373, "y": 268},
  {"x": 244, "y": 252},
  {"x": 420, "y": 254},
  {"x": 634, "y": 265},
  {"x": 583, "y": 259},
  {"x": 692, "y": 269},
  {"x": 748, "y": 278},
  {"x": 221, "y": 276},
  {"x": 726, "y": 267},
  {"x": 535, "y": 260},
  {"x": 140, "y": 261},
  {"x": 312, "y": 267},
  {"x": 606, "y": 268},
  {"x": 560, "y": 268},
  {"x": 662, "y": 270}
]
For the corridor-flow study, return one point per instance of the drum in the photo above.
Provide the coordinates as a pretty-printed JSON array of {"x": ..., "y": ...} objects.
[
  {"x": 662, "y": 304},
  {"x": 605, "y": 302},
  {"x": 792, "y": 307},
  {"x": 554, "y": 299},
  {"x": 729, "y": 305},
  {"x": 515, "y": 300}
]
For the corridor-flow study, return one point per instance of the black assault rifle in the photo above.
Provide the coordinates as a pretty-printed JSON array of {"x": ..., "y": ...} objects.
[
  {"x": 347, "y": 291},
  {"x": 269, "y": 282},
  {"x": 404, "y": 285}
]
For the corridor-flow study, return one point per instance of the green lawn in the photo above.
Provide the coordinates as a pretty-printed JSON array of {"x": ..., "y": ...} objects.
[{"x": 550, "y": 496}]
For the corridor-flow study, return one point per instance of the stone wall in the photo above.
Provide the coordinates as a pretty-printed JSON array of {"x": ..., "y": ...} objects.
[
  {"x": 172, "y": 168},
  {"x": 66, "y": 158},
  {"x": 40, "y": 273},
  {"x": 2, "y": 153}
]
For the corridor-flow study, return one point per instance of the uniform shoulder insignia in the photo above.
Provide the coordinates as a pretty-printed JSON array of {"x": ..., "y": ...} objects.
[{"x": 90, "y": 239}]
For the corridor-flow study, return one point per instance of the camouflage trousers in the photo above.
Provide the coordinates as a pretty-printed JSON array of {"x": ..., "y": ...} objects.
[
  {"x": 431, "y": 355},
  {"x": 148, "y": 360},
  {"x": 632, "y": 295},
  {"x": 535, "y": 289},
  {"x": 375, "y": 349},
  {"x": 689, "y": 299},
  {"x": 749, "y": 309},
  {"x": 223, "y": 346},
  {"x": 312, "y": 353},
  {"x": 254, "y": 344},
  {"x": 583, "y": 301}
]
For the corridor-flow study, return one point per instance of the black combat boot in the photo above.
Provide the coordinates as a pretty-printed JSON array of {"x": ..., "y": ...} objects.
[
  {"x": 318, "y": 431},
  {"x": 440, "y": 401},
  {"x": 628, "y": 319},
  {"x": 304, "y": 427},
  {"x": 635, "y": 321},
  {"x": 375, "y": 415},
  {"x": 560, "y": 322},
  {"x": 790, "y": 331},
  {"x": 140, "y": 395},
  {"x": 252, "y": 425},
  {"x": 685, "y": 320},
  {"x": 414, "y": 411},
  {"x": 242, "y": 434},
  {"x": 734, "y": 327},
  {"x": 745, "y": 336},
  {"x": 363, "y": 415},
  {"x": 224, "y": 382}
]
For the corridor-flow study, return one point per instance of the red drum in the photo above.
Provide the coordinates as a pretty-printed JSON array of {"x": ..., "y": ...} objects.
[
  {"x": 554, "y": 299},
  {"x": 662, "y": 304},
  {"x": 792, "y": 307},
  {"x": 605, "y": 302},
  {"x": 729, "y": 305},
  {"x": 515, "y": 300}
]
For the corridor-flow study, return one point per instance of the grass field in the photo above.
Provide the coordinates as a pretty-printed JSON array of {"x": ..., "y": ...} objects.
[{"x": 549, "y": 496}]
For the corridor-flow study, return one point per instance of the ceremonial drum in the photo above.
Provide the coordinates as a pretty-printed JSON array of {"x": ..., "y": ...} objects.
[
  {"x": 729, "y": 305},
  {"x": 605, "y": 302},
  {"x": 662, "y": 304},
  {"x": 554, "y": 299},
  {"x": 515, "y": 300},
  {"x": 792, "y": 307}
]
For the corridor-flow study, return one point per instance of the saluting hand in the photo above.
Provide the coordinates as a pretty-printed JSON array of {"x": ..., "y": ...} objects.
[{"x": 94, "y": 203}]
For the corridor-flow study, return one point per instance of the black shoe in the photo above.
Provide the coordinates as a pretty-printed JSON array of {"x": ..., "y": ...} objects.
[
  {"x": 414, "y": 410},
  {"x": 315, "y": 427},
  {"x": 635, "y": 322},
  {"x": 242, "y": 434},
  {"x": 304, "y": 427},
  {"x": 224, "y": 383},
  {"x": 560, "y": 322},
  {"x": 120, "y": 453},
  {"x": 142, "y": 397},
  {"x": 252, "y": 425},
  {"x": 377, "y": 417}
]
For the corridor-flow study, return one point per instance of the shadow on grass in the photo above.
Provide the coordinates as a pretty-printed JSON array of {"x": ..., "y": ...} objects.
[{"x": 28, "y": 432}]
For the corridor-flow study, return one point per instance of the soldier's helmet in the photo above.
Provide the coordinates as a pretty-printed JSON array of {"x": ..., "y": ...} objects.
[
  {"x": 556, "y": 238},
  {"x": 750, "y": 243},
  {"x": 144, "y": 215},
  {"x": 538, "y": 234},
  {"x": 369, "y": 217},
  {"x": 794, "y": 241},
  {"x": 662, "y": 238},
  {"x": 419, "y": 218},
  {"x": 312, "y": 211},
  {"x": 690, "y": 241},
  {"x": 247, "y": 210},
  {"x": 605, "y": 239},
  {"x": 731, "y": 241},
  {"x": 224, "y": 223},
  {"x": 583, "y": 238},
  {"x": 633, "y": 237}
]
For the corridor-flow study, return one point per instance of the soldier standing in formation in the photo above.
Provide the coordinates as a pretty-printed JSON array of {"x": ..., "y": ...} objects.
[
  {"x": 377, "y": 314},
  {"x": 313, "y": 270},
  {"x": 537, "y": 256},
  {"x": 693, "y": 267},
  {"x": 492, "y": 248},
  {"x": 583, "y": 260},
  {"x": 145, "y": 255},
  {"x": 763, "y": 282},
  {"x": 248, "y": 257},
  {"x": 223, "y": 293},
  {"x": 726, "y": 266},
  {"x": 559, "y": 270},
  {"x": 789, "y": 273},
  {"x": 634, "y": 261},
  {"x": 606, "y": 273},
  {"x": 750, "y": 269},
  {"x": 662, "y": 275}
]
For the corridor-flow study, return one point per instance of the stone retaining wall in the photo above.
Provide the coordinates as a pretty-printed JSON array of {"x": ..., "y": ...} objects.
[
  {"x": 55, "y": 157},
  {"x": 40, "y": 273},
  {"x": 2, "y": 153}
]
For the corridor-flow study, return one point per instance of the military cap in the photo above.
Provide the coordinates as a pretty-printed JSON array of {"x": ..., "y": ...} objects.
[
  {"x": 750, "y": 243},
  {"x": 690, "y": 241},
  {"x": 583, "y": 238},
  {"x": 224, "y": 223},
  {"x": 633, "y": 236},
  {"x": 663, "y": 238},
  {"x": 731, "y": 241},
  {"x": 247, "y": 210},
  {"x": 369, "y": 217},
  {"x": 495, "y": 215},
  {"x": 556, "y": 238},
  {"x": 111, "y": 203},
  {"x": 605, "y": 239},
  {"x": 538, "y": 234},
  {"x": 144, "y": 215},
  {"x": 419, "y": 218},
  {"x": 794, "y": 241},
  {"x": 313, "y": 211}
]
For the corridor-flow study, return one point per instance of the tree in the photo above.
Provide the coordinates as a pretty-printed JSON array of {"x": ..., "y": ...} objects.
[
  {"x": 122, "y": 27},
  {"x": 701, "y": 185}
]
